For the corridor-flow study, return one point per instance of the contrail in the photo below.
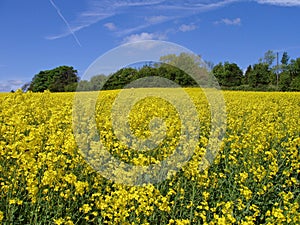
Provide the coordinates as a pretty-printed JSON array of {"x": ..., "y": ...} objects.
[{"x": 65, "y": 21}]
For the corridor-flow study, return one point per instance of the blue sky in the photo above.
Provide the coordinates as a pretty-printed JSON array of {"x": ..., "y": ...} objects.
[{"x": 43, "y": 34}]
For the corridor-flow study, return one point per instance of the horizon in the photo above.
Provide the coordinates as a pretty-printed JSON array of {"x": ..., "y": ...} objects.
[{"x": 77, "y": 33}]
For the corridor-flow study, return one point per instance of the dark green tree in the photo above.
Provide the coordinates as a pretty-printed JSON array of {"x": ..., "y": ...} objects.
[
  {"x": 285, "y": 59},
  {"x": 284, "y": 63},
  {"x": 176, "y": 75},
  {"x": 233, "y": 74},
  {"x": 40, "y": 82},
  {"x": 120, "y": 78},
  {"x": 126, "y": 76},
  {"x": 147, "y": 71},
  {"x": 295, "y": 84},
  {"x": 71, "y": 87},
  {"x": 228, "y": 75},
  {"x": 246, "y": 76},
  {"x": 294, "y": 69},
  {"x": 260, "y": 75},
  {"x": 284, "y": 81},
  {"x": 63, "y": 77},
  {"x": 219, "y": 72},
  {"x": 59, "y": 79}
]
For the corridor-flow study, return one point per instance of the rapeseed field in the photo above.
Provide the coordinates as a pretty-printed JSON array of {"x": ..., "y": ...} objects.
[{"x": 46, "y": 178}]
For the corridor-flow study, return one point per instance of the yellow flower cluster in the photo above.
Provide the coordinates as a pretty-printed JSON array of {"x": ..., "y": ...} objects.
[{"x": 45, "y": 178}]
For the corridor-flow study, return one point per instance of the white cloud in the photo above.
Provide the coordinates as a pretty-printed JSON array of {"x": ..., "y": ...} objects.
[
  {"x": 4, "y": 87},
  {"x": 149, "y": 22},
  {"x": 8, "y": 85},
  {"x": 130, "y": 3},
  {"x": 187, "y": 27},
  {"x": 103, "y": 9},
  {"x": 236, "y": 21},
  {"x": 126, "y": 31},
  {"x": 110, "y": 26},
  {"x": 98, "y": 11},
  {"x": 280, "y": 2},
  {"x": 156, "y": 19},
  {"x": 154, "y": 12},
  {"x": 143, "y": 36},
  {"x": 15, "y": 82}
]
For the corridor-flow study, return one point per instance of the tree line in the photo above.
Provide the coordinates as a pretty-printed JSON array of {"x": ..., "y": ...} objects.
[
  {"x": 132, "y": 77},
  {"x": 267, "y": 74},
  {"x": 59, "y": 79},
  {"x": 264, "y": 75}
]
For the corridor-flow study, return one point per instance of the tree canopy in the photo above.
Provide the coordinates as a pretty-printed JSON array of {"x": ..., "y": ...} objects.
[
  {"x": 264, "y": 75},
  {"x": 228, "y": 74},
  {"x": 184, "y": 70},
  {"x": 125, "y": 76},
  {"x": 59, "y": 79}
]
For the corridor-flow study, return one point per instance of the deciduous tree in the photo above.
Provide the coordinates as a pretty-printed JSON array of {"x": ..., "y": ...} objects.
[{"x": 57, "y": 80}]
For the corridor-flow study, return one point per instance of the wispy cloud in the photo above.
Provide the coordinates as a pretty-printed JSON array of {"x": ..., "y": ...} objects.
[
  {"x": 8, "y": 85},
  {"x": 196, "y": 6},
  {"x": 156, "y": 19},
  {"x": 171, "y": 10},
  {"x": 187, "y": 27},
  {"x": 148, "y": 22},
  {"x": 153, "y": 12},
  {"x": 65, "y": 21},
  {"x": 232, "y": 22},
  {"x": 130, "y": 30},
  {"x": 130, "y": 3},
  {"x": 143, "y": 36},
  {"x": 85, "y": 19},
  {"x": 98, "y": 11},
  {"x": 110, "y": 26},
  {"x": 4, "y": 87},
  {"x": 15, "y": 82},
  {"x": 157, "y": 11},
  {"x": 288, "y": 3}
]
